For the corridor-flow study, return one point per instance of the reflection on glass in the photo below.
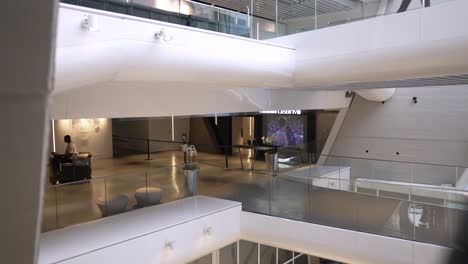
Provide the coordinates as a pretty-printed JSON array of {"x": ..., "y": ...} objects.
[
  {"x": 248, "y": 252},
  {"x": 133, "y": 186},
  {"x": 49, "y": 211},
  {"x": 284, "y": 255},
  {"x": 301, "y": 259},
  {"x": 167, "y": 5},
  {"x": 76, "y": 202},
  {"x": 228, "y": 254},
  {"x": 338, "y": 13},
  {"x": 267, "y": 255}
]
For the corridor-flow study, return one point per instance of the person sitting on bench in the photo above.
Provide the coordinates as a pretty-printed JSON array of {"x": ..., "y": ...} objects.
[{"x": 70, "y": 152}]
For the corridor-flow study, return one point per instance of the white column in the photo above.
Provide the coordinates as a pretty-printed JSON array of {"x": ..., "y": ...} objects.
[{"x": 27, "y": 49}]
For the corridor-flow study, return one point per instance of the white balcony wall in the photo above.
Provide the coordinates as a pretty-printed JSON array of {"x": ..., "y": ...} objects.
[
  {"x": 338, "y": 244},
  {"x": 418, "y": 43},
  {"x": 140, "y": 236},
  {"x": 125, "y": 100},
  {"x": 123, "y": 71},
  {"x": 124, "y": 50}
]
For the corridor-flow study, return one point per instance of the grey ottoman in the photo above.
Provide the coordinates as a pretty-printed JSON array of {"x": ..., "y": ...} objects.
[
  {"x": 148, "y": 196},
  {"x": 115, "y": 204}
]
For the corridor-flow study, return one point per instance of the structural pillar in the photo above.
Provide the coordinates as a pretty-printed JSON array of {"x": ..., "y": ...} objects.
[{"x": 27, "y": 51}]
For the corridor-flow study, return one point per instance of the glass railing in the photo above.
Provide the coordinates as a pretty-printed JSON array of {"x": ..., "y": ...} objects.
[
  {"x": 87, "y": 200},
  {"x": 181, "y": 12},
  {"x": 337, "y": 194},
  {"x": 258, "y": 19},
  {"x": 414, "y": 201},
  {"x": 316, "y": 14},
  {"x": 415, "y": 174}
]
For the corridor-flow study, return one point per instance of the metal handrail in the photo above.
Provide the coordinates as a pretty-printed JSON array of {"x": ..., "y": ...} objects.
[
  {"x": 120, "y": 174},
  {"x": 395, "y": 161}
]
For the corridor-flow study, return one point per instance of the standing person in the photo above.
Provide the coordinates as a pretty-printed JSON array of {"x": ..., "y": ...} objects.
[
  {"x": 281, "y": 137},
  {"x": 70, "y": 150}
]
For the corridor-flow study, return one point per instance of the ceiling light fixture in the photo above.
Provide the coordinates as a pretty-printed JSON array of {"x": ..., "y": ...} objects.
[
  {"x": 90, "y": 23},
  {"x": 162, "y": 35}
]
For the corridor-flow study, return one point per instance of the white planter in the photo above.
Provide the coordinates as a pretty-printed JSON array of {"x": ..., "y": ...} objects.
[{"x": 192, "y": 181}]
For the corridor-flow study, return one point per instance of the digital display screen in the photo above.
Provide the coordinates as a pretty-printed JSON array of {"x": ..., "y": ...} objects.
[{"x": 288, "y": 130}]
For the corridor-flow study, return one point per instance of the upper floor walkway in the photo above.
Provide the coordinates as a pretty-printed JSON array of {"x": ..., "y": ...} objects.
[{"x": 124, "y": 54}]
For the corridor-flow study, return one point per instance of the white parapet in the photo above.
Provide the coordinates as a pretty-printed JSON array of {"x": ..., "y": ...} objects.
[{"x": 169, "y": 233}]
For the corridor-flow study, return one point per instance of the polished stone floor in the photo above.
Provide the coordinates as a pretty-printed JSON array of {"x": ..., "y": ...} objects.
[
  {"x": 75, "y": 203},
  {"x": 258, "y": 191}
]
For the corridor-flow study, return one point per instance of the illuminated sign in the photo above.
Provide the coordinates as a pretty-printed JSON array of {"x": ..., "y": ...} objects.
[{"x": 282, "y": 112}]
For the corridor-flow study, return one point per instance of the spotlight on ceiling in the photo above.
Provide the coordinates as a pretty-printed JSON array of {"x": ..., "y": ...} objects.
[
  {"x": 90, "y": 23},
  {"x": 162, "y": 35}
]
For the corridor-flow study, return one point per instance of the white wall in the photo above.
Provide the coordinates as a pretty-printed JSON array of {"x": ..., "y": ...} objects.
[
  {"x": 26, "y": 50},
  {"x": 193, "y": 57},
  {"x": 434, "y": 130},
  {"x": 181, "y": 101},
  {"x": 407, "y": 45},
  {"x": 338, "y": 244},
  {"x": 199, "y": 72},
  {"x": 89, "y": 135}
]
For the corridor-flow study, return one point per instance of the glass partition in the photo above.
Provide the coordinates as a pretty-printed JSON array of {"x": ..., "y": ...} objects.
[
  {"x": 332, "y": 13},
  {"x": 437, "y": 224},
  {"x": 374, "y": 196},
  {"x": 228, "y": 254},
  {"x": 295, "y": 156},
  {"x": 125, "y": 187},
  {"x": 234, "y": 23},
  {"x": 405, "y": 200},
  {"x": 49, "y": 210},
  {"x": 429, "y": 3},
  {"x": 251, "y": 188},
  {"x": 258, "y": 19},
  {"x": 77, "y": 202},
  {"x": 87, "y": 200}
]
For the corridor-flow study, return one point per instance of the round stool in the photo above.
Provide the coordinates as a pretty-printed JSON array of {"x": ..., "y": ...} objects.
[
  {"x": 115, "y": 204},
  {"x": 147, "y": 196}
]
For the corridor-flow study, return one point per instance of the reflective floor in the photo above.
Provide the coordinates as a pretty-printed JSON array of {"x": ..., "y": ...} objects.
[
  {"x": 258, "y": 191},
  {"x": 75, "y": 203}
]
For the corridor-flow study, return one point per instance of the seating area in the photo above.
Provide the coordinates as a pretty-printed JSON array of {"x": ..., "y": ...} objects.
[
  {"x": 148, "y": 196},
  {"x": 66, "y": 170},
  {"x": 117, "y": 204},
  {"x": 112, "y": 205}
]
